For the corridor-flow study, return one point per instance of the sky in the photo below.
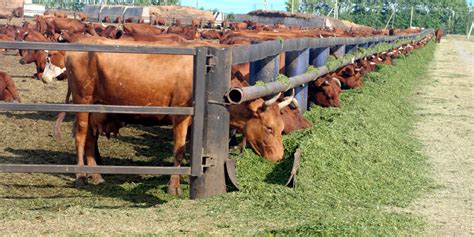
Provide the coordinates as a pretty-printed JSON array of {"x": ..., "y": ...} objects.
[
  {"x": 240, "y": 6},
  {"x": 235, "y": 6}
]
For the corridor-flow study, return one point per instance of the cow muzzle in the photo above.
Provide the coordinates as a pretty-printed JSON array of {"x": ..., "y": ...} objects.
[{"x": 51, "y": 71}]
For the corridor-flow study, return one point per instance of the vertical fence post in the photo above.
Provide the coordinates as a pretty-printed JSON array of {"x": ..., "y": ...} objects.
[
  {"x": 350, "y": 48},
  {"x": 319, "y": 56},
  {"x": 338, "y": 51},
  {"x": 199, "y": 104},
  {"x": 265, "y": 70},
  {"x": 216, "y": 128},
  {"x": 296, "y": 63}
]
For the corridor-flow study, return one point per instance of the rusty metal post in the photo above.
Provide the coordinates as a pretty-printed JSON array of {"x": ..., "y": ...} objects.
[
  {"x": 338, "y": 51},
  {"x": 265, "y": 70},
  {"x": 296, "y": 63},
  {"x": 216, "y": 127}
]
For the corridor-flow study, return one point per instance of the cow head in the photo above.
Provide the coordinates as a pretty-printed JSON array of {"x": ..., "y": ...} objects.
[
  {"x": 264, "y": 129},
  {"x": 31, "y": 56},
  {"x": 292, "y": 118},
  {"x": 54, "y": 66},
  {"x": 325, "y": 91}
]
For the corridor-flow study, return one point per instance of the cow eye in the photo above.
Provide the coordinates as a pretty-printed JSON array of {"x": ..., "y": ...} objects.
[{"x": 269, "y": 130}]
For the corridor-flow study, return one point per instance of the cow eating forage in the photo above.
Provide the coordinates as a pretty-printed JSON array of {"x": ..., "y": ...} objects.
[
  {"x": 290, "y": 113},
  {"x": 8, "y": 91},
  {"x": 325, "y": 91},
  {"x": 108, "y": 78}
]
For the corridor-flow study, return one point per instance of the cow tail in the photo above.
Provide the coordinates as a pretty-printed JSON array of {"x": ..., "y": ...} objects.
[
  {"x": 57, "y": 125},
  {"x": 60, "y": 118}
]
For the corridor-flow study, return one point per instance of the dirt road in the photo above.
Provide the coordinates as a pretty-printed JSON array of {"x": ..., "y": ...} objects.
[{"x": 445, "y": 111}]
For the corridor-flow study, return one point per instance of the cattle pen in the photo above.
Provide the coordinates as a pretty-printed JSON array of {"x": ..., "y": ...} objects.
[{"x": 212, "y": 94}]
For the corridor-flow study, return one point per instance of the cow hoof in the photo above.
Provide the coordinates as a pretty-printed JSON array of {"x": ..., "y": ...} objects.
[
  {"x": 175, "y": 191},
  {"x": 96, "y": 180},
  {"x": 81, "y": 181}
]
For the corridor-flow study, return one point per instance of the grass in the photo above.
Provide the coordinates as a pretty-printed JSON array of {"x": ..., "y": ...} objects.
[{"x": 359, "y": 163}]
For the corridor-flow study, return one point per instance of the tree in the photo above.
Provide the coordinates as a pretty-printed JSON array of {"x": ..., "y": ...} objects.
[{"x": 447, "y": 14}]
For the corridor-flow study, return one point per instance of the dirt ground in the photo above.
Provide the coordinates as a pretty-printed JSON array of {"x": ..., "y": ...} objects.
[{"x": 446, "y": 129}]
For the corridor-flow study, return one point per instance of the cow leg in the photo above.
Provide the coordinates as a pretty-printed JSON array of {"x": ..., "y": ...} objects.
[
  {"x": 180, "y": 129},
  {"x": 98, "y": 158},
  {"x": 82, "y": 122},
  {"x": 90, "y": 152}
]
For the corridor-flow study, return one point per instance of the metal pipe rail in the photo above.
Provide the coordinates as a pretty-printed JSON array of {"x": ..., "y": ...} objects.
[
  {"x": 254, "y": 52},
  {"x": 22, "y": 168},
  {"x": 97, "y": 108},
  {"x": 237, "y": 95},
  {"x": 97, "y": 48}
]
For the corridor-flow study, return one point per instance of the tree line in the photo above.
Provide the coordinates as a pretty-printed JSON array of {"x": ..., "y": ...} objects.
[{"x": 451, "y": 15}]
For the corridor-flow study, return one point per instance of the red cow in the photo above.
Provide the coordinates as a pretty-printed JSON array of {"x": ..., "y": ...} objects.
[
  {"x": 54, "y": 67},
  {"x": 349, "y": 76},
  {"x": 56, "y": 25},
  {"x": 237, "y": 26},
  {"x": 438, "y": 34},
  {"x": 8, "y": 91},
  {"x": 38, "y": 57},
  {"x": 290, "y": 113},
  {"x": 93, "y": 79},
  {"x": 82, "y": 16},
  {"x": 60, "y": 14},
  {"x": 158, "y": 21},
  {"x": 325, "y": 91},
  {"x": 211, "y": 35},
  {"x": 141, "y": 29},
  {"x": 188, "y": 32}
]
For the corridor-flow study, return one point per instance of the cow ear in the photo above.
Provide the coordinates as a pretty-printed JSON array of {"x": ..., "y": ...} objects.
[
  {"x": 256, "y": 107},
  {"x": 319, "y": 82}
]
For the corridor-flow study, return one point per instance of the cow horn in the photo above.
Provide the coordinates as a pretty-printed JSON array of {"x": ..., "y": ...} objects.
[
  {"x": 272, "y": 100},
  {"x": 295, "y": 102},
  {"x": 337, "y": 81},
  {"x": 287, "y": 100}
]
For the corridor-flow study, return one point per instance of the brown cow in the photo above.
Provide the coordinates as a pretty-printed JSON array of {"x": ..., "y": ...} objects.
[
  {"x": 56, "y": 25},
  {"x": 107, "y": 19},
  {"x": 38, "y": 57},
  {"x": 82, "y": 16},
  {"x": 188, "y": 32},
  {"x": 5, "y": 38},
  {"x": 54, "y": 67},
  {"x": 325, "y": 91},
  {"x": 438, "y": 34},
  {"x": 8, "y": 91},
  {"x": 60, "y": 14},
  {"x": 196, "y": 23},
  {"x": 237, "y": 26},
  {"x": 259, "y": 121},
  {"x": 155, "y": 20},
  {"x": 141, "y": 29},
  {"x": 290, "y": 113},
  {"x": 211, "y": 35},
  {"x": 349, "y": 76}
]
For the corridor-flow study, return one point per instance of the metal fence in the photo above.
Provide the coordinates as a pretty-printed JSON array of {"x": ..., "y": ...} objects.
[{"x": 211, "y": 97}]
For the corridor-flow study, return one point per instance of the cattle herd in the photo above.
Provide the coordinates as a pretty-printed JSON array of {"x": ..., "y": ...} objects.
[{"x": 166, "y": 80}]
